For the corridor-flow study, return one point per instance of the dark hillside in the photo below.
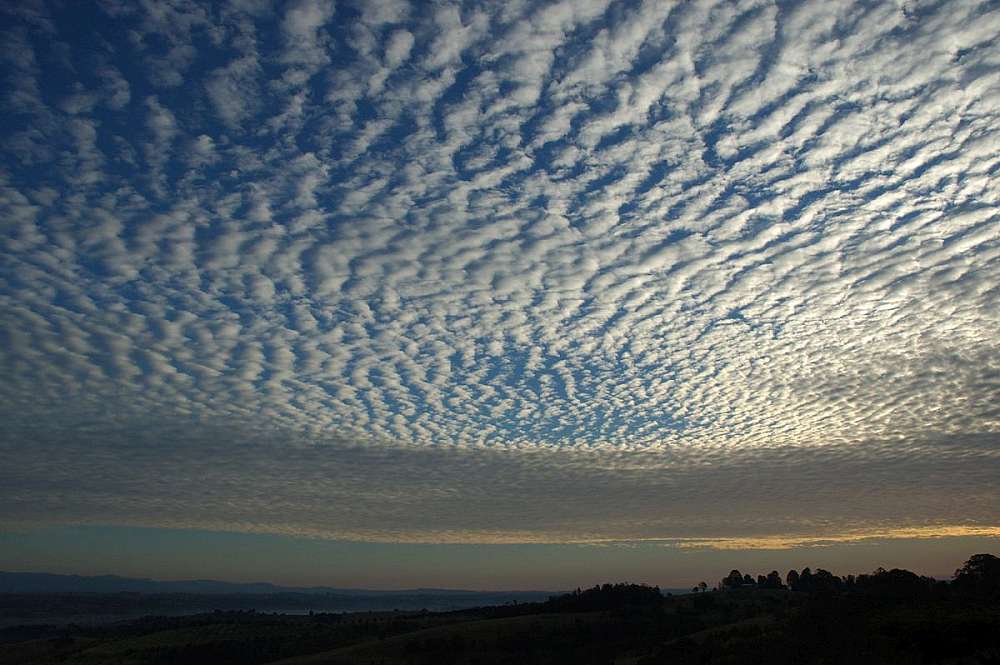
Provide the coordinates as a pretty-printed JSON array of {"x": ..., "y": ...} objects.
[{"x": 888, "y": 616}]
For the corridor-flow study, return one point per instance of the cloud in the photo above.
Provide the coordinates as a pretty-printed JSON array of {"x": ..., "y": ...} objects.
[
  {"x": 302, "y": 27},
  {"x": 232, "y": 90},
  {"x": 567, "y": 272},
  {"x": 795, "y": 542},
  {"x": 398, "y": 48}
]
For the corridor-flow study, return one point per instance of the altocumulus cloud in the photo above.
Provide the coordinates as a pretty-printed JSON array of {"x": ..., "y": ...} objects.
[{"x": 502, "y": 272}]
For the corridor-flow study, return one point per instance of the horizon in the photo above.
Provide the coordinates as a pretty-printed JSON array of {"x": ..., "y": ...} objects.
[
  {"x": 495, "y": 293},
  {"x": 294, "y": 588},
  {"x": 149, "y": 556}
]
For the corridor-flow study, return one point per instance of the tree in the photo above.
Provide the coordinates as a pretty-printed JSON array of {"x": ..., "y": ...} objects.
[
  {"x": 703, "y": 586},
  {"x": 824, "y": 580},
  {"x": 896, "y": 583},
  {"x": 734, "y": 579},
  {"x": 792, "y": 579},
  {"x": 806, "y": 579},
  {"x": 773, "y": 580},
  {"x": 980, "y": 574}
]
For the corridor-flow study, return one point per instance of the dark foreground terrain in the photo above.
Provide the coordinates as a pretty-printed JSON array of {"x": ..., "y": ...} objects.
[{"x": 885, "y": 617}]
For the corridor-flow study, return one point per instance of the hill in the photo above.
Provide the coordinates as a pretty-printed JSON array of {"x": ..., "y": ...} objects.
[{"x": 884, "y": 617}]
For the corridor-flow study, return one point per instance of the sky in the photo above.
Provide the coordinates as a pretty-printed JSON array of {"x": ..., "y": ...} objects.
[{"x": 498, "y": 295}]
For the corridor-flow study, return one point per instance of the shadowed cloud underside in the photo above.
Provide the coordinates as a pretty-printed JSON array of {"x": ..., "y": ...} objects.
[{"x": 722, "y": 275}]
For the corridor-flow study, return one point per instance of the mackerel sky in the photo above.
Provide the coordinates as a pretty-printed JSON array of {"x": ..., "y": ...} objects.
[{"x": 712, "y": 275}]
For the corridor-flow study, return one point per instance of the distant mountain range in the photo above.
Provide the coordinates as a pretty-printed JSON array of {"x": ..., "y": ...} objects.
[
  {"x": 52, "y": 583},
  {"x": 46, "y": 598}
]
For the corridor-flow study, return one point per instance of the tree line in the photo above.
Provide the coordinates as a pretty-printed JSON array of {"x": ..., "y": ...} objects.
[{"x": 980, "y": 575}]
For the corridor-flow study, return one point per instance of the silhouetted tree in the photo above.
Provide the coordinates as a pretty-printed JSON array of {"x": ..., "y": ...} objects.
[
  {"x": 895, "y": 584},
  {"x": 792, "y": 579},
  {"x": 734, "y": 579},
  {"x": 979, "y": 575},
  {"x": 805, "y": 579},
  {"x": 824, "y": 580},
  {"x": 761, "y": 581},
  {"x": 703, "y": 586},
  {"x": 605, "y": 597},
  {"x": 773, "y": 580}
]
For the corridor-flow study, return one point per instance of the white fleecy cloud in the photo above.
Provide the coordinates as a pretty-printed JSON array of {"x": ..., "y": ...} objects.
[{"x": 655, "y": 247}]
